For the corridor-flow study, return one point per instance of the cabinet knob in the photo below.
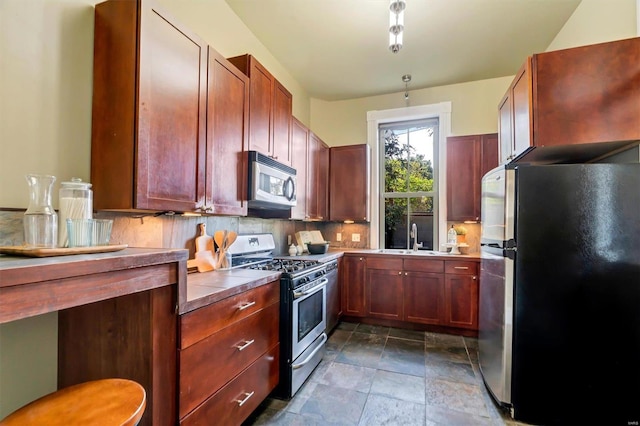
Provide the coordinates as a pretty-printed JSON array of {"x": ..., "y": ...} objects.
[
  {"x": 400, "y": 273},
  {"x": 361, "y": 259},
  {"x": 474, "y": 277},
  {"x": 406, "y": 274}
]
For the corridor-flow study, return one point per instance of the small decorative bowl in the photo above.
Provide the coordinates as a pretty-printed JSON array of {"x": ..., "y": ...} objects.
[{"x": 318, "y": 248}]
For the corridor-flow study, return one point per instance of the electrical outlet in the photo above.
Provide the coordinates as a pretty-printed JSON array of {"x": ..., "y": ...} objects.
[
  {"x": 355, "y": 238},
  {"x": 339, "y": 236}
]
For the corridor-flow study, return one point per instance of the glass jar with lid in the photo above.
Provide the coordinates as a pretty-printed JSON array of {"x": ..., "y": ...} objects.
[{"x": 75, "y": 202}]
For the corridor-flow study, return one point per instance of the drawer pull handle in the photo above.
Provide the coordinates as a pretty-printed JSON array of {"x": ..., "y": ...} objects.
[
  {"x": 246, "y": 345},
  {"x": 460, "y": 267},
  {"x": 246, "y": 305},
  {"x": 246, "y": 398}
]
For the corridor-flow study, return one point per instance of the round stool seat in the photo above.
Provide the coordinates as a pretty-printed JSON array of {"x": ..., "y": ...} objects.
[{"x": 99, "y": 402}]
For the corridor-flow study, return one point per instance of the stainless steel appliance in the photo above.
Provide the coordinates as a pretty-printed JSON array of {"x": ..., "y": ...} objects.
[
  {"x": 559, "y": 309},
  {"x": 303, "y": 307},
  {"x": 272, "y": 185}
]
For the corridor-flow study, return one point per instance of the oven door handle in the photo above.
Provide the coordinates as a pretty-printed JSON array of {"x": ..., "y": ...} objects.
[
  {"x": 311, "y": 355},
  {"x": 299, "y": 294}
]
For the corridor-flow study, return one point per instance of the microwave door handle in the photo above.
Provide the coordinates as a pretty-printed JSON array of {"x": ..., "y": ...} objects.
[{"x": 289, "y": 189}]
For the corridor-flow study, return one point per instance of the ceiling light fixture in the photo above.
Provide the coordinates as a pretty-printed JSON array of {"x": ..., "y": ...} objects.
[
  {"x": 406, "y": 78},
  {"x": 396, "y": 24}
]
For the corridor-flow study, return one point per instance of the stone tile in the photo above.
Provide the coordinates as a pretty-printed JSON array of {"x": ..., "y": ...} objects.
[
  {"x": 347, "y": 376},
  {"x": 381, "y": 410},
  {"x": 470, "y": 342},
  {"x": 337, "y": 340},
  {"x": 447, "y": 353},
  {"x": 407, "y": 334},
  {"x": 349, "y": 326},
  {"x": 455, "y": 396},
  {"x": 331, "y": 405},
  {"x": 280, "y": 418},
  {"x": 440, "y": 416},
  {"x": 437, "y": 339},
  {"x": 399, "y": 386},
  {"x": 301, "y": 397},
  {"x": 452, "y": 371},
  {"x": 403, "y": 356},
  {"x": 362, "y": 349},
  {"x": 372, "y": 329}
]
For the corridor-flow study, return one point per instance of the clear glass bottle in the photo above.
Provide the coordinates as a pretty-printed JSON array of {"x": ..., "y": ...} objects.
[
  {"x": 452, "y": 236},
  {"x": 40, "y": 219},
  {"x": 75, "y": 202}
]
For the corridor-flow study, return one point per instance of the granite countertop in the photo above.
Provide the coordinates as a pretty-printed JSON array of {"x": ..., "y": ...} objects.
[{"x": 427, "y": 254}]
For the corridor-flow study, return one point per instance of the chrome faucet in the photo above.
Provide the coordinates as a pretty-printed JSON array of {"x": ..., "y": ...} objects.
[{"x": 414, "y": 235}]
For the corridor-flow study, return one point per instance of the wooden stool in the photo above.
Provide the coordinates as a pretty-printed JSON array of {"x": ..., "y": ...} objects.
[{"x": 100, "y": 402}]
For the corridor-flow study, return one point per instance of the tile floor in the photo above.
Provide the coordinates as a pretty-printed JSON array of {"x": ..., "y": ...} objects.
[{"x": 374, "y": 375}]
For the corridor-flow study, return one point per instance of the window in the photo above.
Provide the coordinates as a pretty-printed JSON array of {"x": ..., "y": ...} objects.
[
  {"x": 440, "y": 111},
  {"x": 408, "y": 184}
]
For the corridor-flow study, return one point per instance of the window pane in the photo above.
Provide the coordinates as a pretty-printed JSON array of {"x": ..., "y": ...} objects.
[
  {"x": 395, "y": 215},
  {"x": 395, "y": 162},
  {"x": 422, "y": 215}
]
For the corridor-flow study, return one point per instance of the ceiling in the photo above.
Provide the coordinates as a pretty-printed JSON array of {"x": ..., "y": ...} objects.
[{"x": 338, "y": 49}]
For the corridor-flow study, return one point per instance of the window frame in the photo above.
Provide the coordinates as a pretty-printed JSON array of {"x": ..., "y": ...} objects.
[{"x": 441, "y": 111}]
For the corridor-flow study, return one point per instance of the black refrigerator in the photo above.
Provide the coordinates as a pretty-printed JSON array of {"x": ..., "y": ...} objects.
[{"x": 559, "y": 314}]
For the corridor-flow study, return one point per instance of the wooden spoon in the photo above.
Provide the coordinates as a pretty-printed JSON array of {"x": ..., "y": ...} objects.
[{"x": 218, "y": 237}]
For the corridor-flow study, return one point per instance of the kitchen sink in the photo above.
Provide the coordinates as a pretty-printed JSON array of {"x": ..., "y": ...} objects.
[{"x": 417, "y": 253}]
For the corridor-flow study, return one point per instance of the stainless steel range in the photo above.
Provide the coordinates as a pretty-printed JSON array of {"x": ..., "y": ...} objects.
[{"x": 303, "y": 301}]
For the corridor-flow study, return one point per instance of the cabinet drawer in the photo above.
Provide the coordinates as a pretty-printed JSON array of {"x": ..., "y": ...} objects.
[
  {"x": 252, "y": 385},
  {"x": 464, "y": 267},
  {"x": 203, "y": 322},
  {"x": 389, "y": 263},
  {"x": 422, "y": 265},
  {"x": 207, "y": 365}
]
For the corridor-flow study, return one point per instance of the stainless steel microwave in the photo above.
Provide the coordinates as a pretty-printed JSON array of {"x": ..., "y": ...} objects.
[{"x": 272, "y": 185}]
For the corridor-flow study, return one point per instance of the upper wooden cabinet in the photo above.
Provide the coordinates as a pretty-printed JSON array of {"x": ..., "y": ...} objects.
[
  {"x": 165, "y": 135},
  {"x": 149, "y": 119},
  {"x": 318, "y": 179},
  {"x": 227, "y": 131},
  {"x": 270, "y": 109},
  {"x": 349, "y": 183},
  {"x": 299, "y": 159},
  {"x": 561, "y": 98},
  {"x": 468, "y": 159}
]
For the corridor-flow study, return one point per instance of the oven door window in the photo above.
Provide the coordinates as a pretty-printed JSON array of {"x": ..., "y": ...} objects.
[{"x": 310, "y": 312}]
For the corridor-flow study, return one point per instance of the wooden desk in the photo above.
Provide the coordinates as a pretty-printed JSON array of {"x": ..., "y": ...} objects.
[{"x": 117, "y": 316}]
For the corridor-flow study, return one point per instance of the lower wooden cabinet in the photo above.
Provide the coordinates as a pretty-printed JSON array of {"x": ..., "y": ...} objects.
[
  {"x": 353, "y": 285},
  {"x": 229, "y": 347},
  {"x": 412, "y": 289}
]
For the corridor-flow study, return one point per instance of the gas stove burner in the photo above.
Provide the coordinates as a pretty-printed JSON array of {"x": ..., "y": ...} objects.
[{"x": 285, "y": 265}]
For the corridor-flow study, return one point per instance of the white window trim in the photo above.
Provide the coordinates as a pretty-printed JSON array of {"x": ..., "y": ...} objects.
[{"x": 442, "y": 111}]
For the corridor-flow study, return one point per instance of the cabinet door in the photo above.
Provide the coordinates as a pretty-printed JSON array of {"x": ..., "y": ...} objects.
[
  {"x": 463, "y": 171},
  {"x": 353, "y": 276},
  {"x": 461, "y": 301},
  {"x": 260, "y": 107},
  {"x": 170, "y": 172},
  {"x": 424, "y": 297},
  {"x": 318, "y": 184},
  {"x": 349, "y": 202},
  {"x": 490, "y": 153},
  {"x": 282, "y": 107},
  {"x": 227, "y": 118},
  {"x": 384, "y": 293},
  {"x": 505, "y": 127},
  {"x": 334, "y": 308},
  {"x": 299, "y": 158},
  {"x": 522, "y": 110}
]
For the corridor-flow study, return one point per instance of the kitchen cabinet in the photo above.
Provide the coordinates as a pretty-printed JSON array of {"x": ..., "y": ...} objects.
[
  {"x": 349, "y": 183},
  {"x": 468, "y": 159},
  {"x": 384, "y": 288},
  {"x": 227, "y": 131},
  {"x": 149, "y": 118},
  {"x": 424, "y": 300},
  {"x": 270, "y": 110},
  {"x": 334, "y": 297},
  {"x": 318, "y": 179},
  {"x": 228, "y": 356},
  {"x": 299, "y": 158},
  {"x": 171, "y": 133},
  {"x": 560, "y": 98},
  {"x": 400, "y": 290},
  {"x": 461, "y": 294},
  {"x": 353, "y": 277}
]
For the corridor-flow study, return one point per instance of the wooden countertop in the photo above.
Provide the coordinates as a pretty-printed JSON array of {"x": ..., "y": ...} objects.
[{"x": 34, "y": 286}]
